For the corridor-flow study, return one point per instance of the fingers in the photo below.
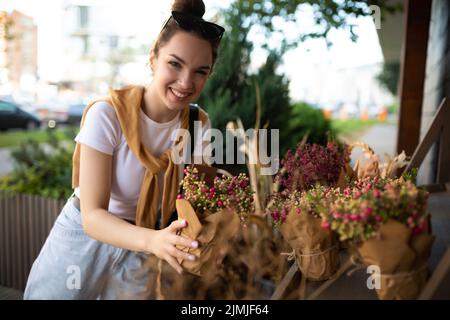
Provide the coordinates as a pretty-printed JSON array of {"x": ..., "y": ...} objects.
[
  {"x": 185, "y": 242},
  {"x": 171, "y": 240},
  {"x": 174, "y": 252},
  {"x": 171, "y": 260},
  {"x": 178, "y": 224}
]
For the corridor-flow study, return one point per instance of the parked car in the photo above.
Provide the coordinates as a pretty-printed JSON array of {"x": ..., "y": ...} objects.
[
  {"x": 59, "y": 114},
  {"x": 13, "y": 116},
  {"x": 52, "y": 116},
  {"x": 74, "y": 114}
]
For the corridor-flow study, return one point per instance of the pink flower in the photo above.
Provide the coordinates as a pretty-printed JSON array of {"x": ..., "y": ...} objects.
[
  {"x": 275, "y": 215},
  {"x": 378, "y": 218},
  {"x": 298, "y": 210},
  {"x": 337, "y": 215},
  {"x": 325, "y": 225},
  {"x": 180, "y": 196},
  {"x": 417, "y": 230},
  {"x": 220, "y": 203}
]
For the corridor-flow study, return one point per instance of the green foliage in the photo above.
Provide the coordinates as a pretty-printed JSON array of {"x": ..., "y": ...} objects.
[
  {"x": 327, "y": 15},
  {"x": 15, "y": 137},
  {"x": 230, "y": 92},
  {"x": 306, "y": 119},
  {"x": 351, "y": 126},
  {"x": 393, "y": 108},
  {"x": 411, "y": 175},
  {"x": 388, "y": 77},
  {"x": 42, "y": 169}
]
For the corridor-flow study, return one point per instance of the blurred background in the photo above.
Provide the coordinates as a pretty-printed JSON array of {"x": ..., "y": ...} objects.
[
  {"x": 374, "y": 71},
  {"x": 320, "y": 66}
]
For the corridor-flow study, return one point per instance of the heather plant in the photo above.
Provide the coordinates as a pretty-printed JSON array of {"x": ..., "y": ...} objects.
[
  {"x": 312, "y": 164},
  {"x": 360, "y": 209},
  {"x": 311, "y": 201},
  {"x": 227, "y": 192},
  {"x": 386, "y": 223}
]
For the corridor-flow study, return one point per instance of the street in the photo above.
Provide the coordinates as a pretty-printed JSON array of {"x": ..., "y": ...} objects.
[
  {"x": 5, "y": 161},
  {"x": 381, "y": 138}
]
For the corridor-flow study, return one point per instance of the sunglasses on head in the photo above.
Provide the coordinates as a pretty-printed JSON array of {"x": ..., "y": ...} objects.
[{"x": 189, "y": 22}]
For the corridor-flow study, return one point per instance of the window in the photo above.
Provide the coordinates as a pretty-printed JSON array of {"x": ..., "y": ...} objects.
[
  {"x": 113, "y": 41},
  {"x": 7, "y": 107},
  {"x": 83, "y": 17}
]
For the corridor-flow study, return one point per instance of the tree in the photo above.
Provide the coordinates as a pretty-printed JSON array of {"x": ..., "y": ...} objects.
[
  {"x": 388, "y": 77},
  {"x": 230, "y": 92}
]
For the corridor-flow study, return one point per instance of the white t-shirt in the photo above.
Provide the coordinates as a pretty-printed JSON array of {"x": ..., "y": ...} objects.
[{"x": 101, "y": 131}]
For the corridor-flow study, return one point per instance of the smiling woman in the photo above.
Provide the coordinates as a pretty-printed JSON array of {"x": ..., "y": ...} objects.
[
  {"x": 125, "y": 182},
  {"x": 181, "y": 68}
]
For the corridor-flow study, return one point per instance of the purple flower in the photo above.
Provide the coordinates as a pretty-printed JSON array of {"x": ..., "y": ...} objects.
[{"x": 275, "y": 216}]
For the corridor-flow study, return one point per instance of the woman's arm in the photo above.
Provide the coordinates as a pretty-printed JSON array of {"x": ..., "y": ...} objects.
[{"x": 98, "y": 223}]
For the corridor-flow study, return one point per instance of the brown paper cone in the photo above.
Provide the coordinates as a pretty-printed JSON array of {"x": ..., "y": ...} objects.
[
  {"x": 316, "y": 249},
  {"x": 402, "y": 259},
  {"x": 212, "y": 231}
]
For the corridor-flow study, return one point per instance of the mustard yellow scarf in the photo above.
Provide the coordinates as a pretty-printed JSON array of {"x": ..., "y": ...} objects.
[{"x": 127, "y": 104}]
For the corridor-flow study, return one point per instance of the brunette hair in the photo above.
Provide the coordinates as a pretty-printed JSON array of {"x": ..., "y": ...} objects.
[{"x": 193, "y": 7}]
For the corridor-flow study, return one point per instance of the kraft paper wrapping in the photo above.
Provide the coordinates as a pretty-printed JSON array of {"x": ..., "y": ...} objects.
[
  {"x": 316, "y": 249},
  {"x": 402, "y": 258}
]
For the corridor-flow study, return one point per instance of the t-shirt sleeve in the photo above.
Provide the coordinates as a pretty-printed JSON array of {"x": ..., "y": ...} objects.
[{"x": 101, "y": 128}]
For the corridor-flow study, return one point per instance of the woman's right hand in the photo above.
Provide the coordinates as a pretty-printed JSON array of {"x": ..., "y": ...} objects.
[{"x": 162, "y": 244}]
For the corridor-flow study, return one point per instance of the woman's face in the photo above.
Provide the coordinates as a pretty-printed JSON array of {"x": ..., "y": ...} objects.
[{"x": 181, "y": 69}]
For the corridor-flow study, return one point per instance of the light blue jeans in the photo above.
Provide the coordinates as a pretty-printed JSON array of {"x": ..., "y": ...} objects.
[{"x": 72, "y": 265}]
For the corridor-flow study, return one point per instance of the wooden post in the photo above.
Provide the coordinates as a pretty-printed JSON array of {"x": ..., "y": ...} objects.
[
  {"x": 412, "y": 74},
  {"x": 439, "y": 274},
  {"x": 443, "y": 164},
  {"x": 439, "y": 130},
  {"x": 431, "y": 136}
]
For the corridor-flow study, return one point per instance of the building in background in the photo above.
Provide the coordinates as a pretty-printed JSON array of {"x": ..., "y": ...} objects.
[
  {"x": 423, "y": 50},
  {"x": 84, "y": 48},
  {"x": 346, "y": 92},
  {"x": 18, "y": 50},
  {"x": 95, "y": 48}
]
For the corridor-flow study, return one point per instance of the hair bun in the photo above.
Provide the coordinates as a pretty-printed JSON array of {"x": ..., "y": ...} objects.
[{"x": 193, "y": 7}]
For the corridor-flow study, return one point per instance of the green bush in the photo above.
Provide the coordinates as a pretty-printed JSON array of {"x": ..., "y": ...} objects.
[
  {"x": 305, "y": 119},
  {"x": 44, "y": 170},
  {"x": 393, "y": 108}
]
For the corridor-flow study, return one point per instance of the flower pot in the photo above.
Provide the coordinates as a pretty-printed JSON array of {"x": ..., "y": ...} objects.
[
  {"x": 316, "y": 249},
  {"x": 402, "y": 260},
  {"x": 212, "y": 231}
]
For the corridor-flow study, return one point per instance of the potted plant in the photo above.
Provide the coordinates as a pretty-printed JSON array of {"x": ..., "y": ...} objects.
[
  {"x": 387, "y": 224},
  {"x": 306, "y": 175},
  {"x": 214, "y": 214}
]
